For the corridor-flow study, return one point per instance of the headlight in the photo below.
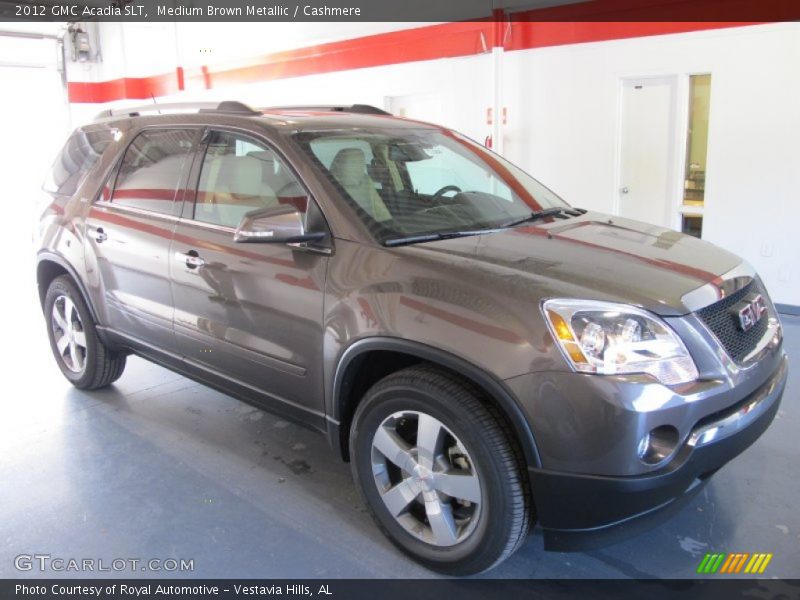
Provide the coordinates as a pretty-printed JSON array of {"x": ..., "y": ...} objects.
[{"x": 608, "y": 338}]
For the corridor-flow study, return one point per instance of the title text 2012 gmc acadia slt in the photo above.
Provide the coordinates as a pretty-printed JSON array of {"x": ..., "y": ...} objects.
[{"x": 485, "y": 355}]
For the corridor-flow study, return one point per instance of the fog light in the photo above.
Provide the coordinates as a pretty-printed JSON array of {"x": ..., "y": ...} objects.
[{"x": 658, "y": 444}]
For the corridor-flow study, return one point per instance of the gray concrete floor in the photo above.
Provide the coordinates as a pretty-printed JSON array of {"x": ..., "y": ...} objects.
[{"x": 159, "y": 467}]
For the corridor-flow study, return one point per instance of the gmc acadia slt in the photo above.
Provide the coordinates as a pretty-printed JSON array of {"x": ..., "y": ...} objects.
[{"x": 485, "y": 355}]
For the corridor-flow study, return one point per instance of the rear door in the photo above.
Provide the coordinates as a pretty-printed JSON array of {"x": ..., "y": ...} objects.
[
  {"x": 249, "y": 313},
  {"x": 129, "y": 230}
]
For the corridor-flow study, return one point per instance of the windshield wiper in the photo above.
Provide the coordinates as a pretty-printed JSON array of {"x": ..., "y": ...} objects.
[
  {"x": 534, "y": 216},
  {"x": 432, "y": 237},
  {"x": 446, "y": 235}
]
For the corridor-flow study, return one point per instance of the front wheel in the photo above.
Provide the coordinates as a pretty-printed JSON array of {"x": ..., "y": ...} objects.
[
  {"x": 80, "y": 353},
  {"x": 439, "y": 472}
]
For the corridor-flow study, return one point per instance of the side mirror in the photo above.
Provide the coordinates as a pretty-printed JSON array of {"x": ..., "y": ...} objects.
[{"x": 277, "y": 225}]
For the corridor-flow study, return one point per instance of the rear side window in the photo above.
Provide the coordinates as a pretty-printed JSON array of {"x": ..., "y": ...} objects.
[
  {"x": 81, "y": 152},
  {"x": 151, "y": 170}
]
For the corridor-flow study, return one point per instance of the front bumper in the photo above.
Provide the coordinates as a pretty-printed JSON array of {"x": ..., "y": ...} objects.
[{"x": 578, "y": 511}]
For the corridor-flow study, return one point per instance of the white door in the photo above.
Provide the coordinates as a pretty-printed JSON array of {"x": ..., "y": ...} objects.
[{"x": 647, "y": 153}]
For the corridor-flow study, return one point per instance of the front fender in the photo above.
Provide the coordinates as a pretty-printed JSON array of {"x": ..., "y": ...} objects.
[{"x": 494, "y": 388}]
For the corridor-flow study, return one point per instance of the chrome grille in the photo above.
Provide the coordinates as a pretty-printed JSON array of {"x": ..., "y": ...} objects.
[{"x": 725, "y": 325}]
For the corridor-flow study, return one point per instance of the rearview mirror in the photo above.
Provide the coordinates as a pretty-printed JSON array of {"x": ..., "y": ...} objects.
[
  {"x": 407, "y": 152},
  {"x": 276, "y": 225}
]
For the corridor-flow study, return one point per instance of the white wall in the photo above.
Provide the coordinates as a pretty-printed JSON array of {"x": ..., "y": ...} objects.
[
  {"x": 34, "y": 123},
  {"x": 142, "y": 49},
  {"x": 563, "y": 110}
]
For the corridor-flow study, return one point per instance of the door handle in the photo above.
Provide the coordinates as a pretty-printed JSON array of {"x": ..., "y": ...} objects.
[
  {"x": 190, "y": 259},
  {"x": 98, "y": 235},
  {"x": 623, "y": 189}
]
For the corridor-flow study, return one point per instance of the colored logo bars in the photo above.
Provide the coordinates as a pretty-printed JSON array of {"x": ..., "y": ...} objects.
[{"x": 734, "y": 563}]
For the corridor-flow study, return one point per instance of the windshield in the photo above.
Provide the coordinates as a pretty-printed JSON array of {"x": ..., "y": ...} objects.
[{"x": 406, "y": 183}]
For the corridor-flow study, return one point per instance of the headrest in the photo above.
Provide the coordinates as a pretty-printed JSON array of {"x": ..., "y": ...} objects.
[
  {"x": 349, "y": 167},
  {"x": 242, "y": 175}
]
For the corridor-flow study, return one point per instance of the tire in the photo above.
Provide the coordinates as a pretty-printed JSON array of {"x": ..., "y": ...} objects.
[
  {"x": 83, "y": 358},
  {"x": 475, "y": 526}
]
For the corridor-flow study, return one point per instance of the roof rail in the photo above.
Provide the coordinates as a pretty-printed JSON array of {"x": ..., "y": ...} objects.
[
  {"x": 364, "y": 109},
  {"x": 227, "y": 107},
  {"x": 233, "y": 107}
]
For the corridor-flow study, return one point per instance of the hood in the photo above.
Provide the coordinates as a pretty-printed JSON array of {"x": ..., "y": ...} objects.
[{"x": 594, "y": 256}]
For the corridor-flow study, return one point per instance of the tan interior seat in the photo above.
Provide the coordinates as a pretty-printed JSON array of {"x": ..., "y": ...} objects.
[
  {"x": 349, "y": 168},
  {"x": 234, "y": 187}
]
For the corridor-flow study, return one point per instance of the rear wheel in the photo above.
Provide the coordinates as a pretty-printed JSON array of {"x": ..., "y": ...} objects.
[
  {"x": 439, "y": 471},
  {"x": 82, "y": 357}
]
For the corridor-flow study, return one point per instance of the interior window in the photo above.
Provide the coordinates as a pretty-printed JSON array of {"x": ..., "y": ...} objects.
[
  {"x": 238, "y": 176},
  {"x": 150, "y": 172},
  {"x": 694, "y": 184}
]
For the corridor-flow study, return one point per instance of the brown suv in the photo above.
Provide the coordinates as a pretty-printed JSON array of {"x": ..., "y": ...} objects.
[{"x": 484, "y": 354}]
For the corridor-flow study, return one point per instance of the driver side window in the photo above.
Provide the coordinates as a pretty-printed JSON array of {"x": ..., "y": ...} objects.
[{"x": 240, "y": 175}]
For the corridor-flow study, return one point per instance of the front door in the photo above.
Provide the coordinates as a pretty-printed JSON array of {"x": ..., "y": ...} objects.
[
  {"x": 249, "y": 312},
  {"x": 647, "y": 150}
]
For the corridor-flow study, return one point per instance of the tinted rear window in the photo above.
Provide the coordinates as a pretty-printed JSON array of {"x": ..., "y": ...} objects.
[{"x": 81, "y": 152}]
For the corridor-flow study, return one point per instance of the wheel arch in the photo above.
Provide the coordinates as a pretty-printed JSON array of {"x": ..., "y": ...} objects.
[
  {"x": 48, "y": 267},
  {"x": 344, "y": 391}
]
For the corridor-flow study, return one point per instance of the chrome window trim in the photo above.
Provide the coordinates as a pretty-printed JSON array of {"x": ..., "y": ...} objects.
[
  {"x": 204, "y": 225},
  {"x": 107, "y": 206}
]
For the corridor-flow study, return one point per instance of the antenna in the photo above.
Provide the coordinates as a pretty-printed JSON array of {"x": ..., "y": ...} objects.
[{"x": 153, "y": 96}]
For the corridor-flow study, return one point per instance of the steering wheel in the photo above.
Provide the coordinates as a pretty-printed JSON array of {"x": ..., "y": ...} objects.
[{"x": 448, "y": 188}]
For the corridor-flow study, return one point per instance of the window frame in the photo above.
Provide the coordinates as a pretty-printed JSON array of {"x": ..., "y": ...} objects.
[
  {"x": 111, "y": 179},
  {"x": 193, "y": 185}
]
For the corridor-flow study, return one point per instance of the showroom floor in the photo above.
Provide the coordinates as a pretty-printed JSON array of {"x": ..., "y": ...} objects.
[{"x": 160, "y": 467}]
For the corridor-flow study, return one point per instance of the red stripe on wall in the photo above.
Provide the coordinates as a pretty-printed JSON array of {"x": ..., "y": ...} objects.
[
  {"x": 134, "y": 88},
  {"x": 411, "y": 45},
  {"x": 432, "y": 42},
  {"x": 527, "y": 36}
]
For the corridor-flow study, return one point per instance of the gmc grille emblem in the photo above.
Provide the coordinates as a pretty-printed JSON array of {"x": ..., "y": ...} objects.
[{"x": 749, "y": 311}]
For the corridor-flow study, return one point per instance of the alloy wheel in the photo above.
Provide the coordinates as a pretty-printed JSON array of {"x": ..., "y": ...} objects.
[
  {"x": 426, "y": 478},
  {"x": 69, "y": 334}
]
